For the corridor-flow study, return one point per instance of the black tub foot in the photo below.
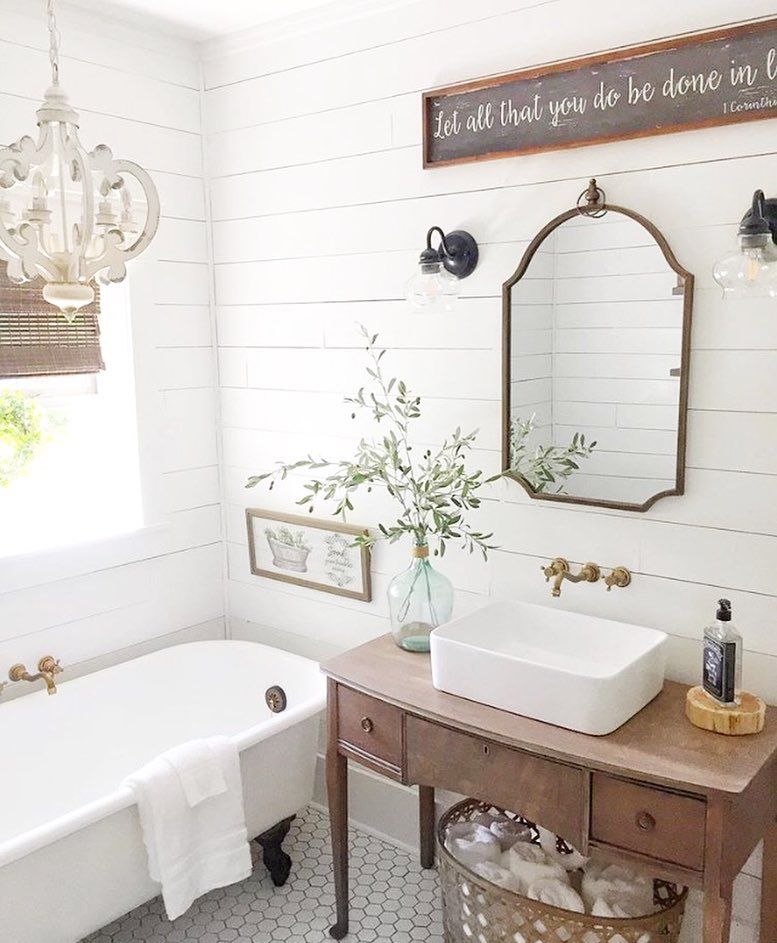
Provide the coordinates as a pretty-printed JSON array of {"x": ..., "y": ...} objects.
[
  {"x": 338, "y": 931},
  {"x": 277, "y": 862}
]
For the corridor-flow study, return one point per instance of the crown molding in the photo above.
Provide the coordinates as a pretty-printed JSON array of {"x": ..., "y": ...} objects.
[{"x": 297, "y": 24}]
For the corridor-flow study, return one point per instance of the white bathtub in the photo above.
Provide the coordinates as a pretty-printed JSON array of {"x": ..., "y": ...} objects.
[{"x": 71, "y": 852}]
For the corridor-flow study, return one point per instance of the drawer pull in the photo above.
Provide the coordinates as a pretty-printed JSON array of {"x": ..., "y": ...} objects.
[
  {"x": 367, "y": 725},
  {"x": 646, "y": 822}
]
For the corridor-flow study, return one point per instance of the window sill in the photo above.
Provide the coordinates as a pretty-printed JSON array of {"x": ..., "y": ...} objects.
[{"x": 64, "y": 562}]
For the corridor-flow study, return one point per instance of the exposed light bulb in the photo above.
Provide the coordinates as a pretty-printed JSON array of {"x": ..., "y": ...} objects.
[{"x": 432, "y": 288}]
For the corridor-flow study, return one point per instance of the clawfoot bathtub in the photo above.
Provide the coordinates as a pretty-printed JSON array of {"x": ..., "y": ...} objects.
[{"x": 71, "y": 851}]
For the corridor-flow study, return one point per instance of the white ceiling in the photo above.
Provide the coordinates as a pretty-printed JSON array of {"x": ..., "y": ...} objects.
[{"x": 204, "y": 19}]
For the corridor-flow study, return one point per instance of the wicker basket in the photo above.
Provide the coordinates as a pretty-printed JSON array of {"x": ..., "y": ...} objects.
[{"x": 477, "y": 911}]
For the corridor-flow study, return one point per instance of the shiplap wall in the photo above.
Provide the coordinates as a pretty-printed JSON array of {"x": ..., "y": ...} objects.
[
  {"x": 320, "y": 206},
  {"x": 139, "y": 93}
]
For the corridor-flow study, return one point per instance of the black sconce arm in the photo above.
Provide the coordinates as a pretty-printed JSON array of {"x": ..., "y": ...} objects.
[
  {"x": 458, "y": 251},
  {"x": 760, "y": 220}
]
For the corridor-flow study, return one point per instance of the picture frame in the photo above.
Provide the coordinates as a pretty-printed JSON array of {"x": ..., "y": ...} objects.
[
  {"x": 617, "y": 95},
  {"x": 309, "y": 552}
]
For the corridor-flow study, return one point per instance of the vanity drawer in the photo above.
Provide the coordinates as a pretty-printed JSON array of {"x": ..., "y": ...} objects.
[
  {"x": 371, "y": 729},
  {"x": 647, "y": 820},
  {"x": 551, "y": 793}
]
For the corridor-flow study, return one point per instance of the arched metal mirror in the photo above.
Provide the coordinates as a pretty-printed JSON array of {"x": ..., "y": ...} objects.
[{"x": 596, "y": 343}]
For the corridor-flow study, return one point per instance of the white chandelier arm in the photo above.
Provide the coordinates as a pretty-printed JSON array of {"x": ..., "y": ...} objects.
[
  {"x": 112, "y": 262},
  {"x": 80, "y": 173},
  {"x": 22, "y": 247},
  {"x": 17, "y": 159}
]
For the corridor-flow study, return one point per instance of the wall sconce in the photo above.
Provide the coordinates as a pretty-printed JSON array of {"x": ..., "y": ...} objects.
[
  {"x": 752, "y": 271},
  {"x": 435, "y": 286}
]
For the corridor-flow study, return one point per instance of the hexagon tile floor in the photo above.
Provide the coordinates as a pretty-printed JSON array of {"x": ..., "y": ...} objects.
[{"x": 392, "y": 899}]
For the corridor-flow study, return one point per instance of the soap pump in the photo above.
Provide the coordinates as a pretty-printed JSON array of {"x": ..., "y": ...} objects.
[{"x": 722, "y": 669}]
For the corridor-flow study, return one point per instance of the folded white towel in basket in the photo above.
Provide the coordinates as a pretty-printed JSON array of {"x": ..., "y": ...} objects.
[
  {"x": 507, "y": 830},
  {"x": 557, "y": 893},
  {"x": 616, "y": 887},
  {"x": 191, "y": 811},
  {"x": 472, "y": 844},
  {"x": 529, "y": 863},
  {"x": 496, "y": 874}
]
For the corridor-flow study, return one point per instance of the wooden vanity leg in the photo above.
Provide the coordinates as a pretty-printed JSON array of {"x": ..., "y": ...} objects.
[
  {"x": 337, "y": 793},
  {"x": 718, "y": 885},
  {"x": 427, "y": 823},
  {"x": 717, "y": 918},
  {"x": 769, "y": 887}
]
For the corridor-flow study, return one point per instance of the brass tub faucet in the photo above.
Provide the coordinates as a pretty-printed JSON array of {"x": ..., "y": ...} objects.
[
  {"x": 48, "y": 669},
  {"x": 559, "y": 570}
]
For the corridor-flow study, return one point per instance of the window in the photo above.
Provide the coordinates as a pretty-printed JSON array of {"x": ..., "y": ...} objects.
[{"x": 81, "y": 481}]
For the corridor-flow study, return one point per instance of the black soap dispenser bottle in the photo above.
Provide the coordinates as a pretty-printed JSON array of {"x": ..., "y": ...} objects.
[{"x": 723, "y": 658}]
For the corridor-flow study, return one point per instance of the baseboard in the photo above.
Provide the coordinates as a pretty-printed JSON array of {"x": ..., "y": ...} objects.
[{"x": 377, "y": 806}]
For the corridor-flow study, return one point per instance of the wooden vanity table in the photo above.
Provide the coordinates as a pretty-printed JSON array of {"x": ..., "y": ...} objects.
[{"x": 688, "y": 804}]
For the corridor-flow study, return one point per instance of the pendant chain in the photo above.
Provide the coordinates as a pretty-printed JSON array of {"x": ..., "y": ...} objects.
[{"x": 54, "y": 38}]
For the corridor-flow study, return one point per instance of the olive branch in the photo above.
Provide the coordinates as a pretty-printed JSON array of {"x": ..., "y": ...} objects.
[{"x": 434, "y": 492}]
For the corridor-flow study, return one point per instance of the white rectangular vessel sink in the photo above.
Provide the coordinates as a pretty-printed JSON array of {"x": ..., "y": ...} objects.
[{"x": 580, "y": 672}]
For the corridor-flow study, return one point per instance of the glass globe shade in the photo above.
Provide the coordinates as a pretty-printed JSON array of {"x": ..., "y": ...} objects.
[
  {"x": 749, "y": 273},
  {"x": 432, "y": 288}
]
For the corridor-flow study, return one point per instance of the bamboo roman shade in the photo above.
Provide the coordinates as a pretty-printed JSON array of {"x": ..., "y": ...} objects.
[{"x": 36, "y": 340}]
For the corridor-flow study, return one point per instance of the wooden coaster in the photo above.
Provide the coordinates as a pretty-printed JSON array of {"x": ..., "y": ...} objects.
[{"x": 705, "y": 712}]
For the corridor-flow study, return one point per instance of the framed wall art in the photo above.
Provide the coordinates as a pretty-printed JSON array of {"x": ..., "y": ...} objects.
[
  {"x": 701, "y": 80},
  {"x": 308, "y": 552}
]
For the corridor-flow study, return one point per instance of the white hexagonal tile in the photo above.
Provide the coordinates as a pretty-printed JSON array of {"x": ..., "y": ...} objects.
[{"x": 393, "y": 900}]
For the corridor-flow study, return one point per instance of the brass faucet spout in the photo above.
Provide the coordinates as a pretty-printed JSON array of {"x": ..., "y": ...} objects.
[
  {"x": 559, "y": 568},
  {"x": 48, "y": 668}
]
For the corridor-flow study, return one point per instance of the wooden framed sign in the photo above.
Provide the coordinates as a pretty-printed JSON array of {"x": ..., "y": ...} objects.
[
  {"x": 317, "y": 554},
  {"x": 705, "y": 79}
]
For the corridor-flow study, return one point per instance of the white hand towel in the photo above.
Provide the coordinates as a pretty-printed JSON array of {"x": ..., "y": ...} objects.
[
  {"x": 557, "y": 893},
  {"x": 199, "y": 770},
  {"x": 193, "y": 848}
]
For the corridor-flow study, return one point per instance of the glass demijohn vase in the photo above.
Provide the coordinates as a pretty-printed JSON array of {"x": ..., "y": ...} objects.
[{"x": 420, "y": 599}]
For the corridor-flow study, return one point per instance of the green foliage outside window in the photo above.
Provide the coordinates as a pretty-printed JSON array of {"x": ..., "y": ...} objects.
[{"x": 22, "y": 432}]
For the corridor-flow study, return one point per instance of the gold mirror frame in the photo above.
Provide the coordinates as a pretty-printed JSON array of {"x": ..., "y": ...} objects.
[{"x": 596, "y": 205}]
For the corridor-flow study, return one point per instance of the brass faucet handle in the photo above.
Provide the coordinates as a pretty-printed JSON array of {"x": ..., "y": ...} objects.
[
  {"x": 17, "y": 672},
  {"x": 50, "y": 665},
  {"x": 556, "y": 566},
  {"x": 619, "y": 577},
  {"x": 591, "y": 572}
]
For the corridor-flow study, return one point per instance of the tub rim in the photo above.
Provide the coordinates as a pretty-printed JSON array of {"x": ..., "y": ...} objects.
[{"x": 121, "y": 797}]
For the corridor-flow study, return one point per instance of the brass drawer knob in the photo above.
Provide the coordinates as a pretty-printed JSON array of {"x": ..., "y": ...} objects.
[
  {"x": 646, "y": 822},
  {"x": 367, "y": 725}
]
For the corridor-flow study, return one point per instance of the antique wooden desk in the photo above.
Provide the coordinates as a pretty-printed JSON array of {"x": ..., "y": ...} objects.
[{"x": 689, "y": 804}]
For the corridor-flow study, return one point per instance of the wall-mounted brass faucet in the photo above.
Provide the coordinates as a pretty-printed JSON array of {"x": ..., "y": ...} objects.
[
  {"x": 559, "y": 570},
  {"x": 48, "y": 669}
]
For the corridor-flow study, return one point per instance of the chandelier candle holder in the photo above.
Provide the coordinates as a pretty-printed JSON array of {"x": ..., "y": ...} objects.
[{"x": 68, "y": 216}]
